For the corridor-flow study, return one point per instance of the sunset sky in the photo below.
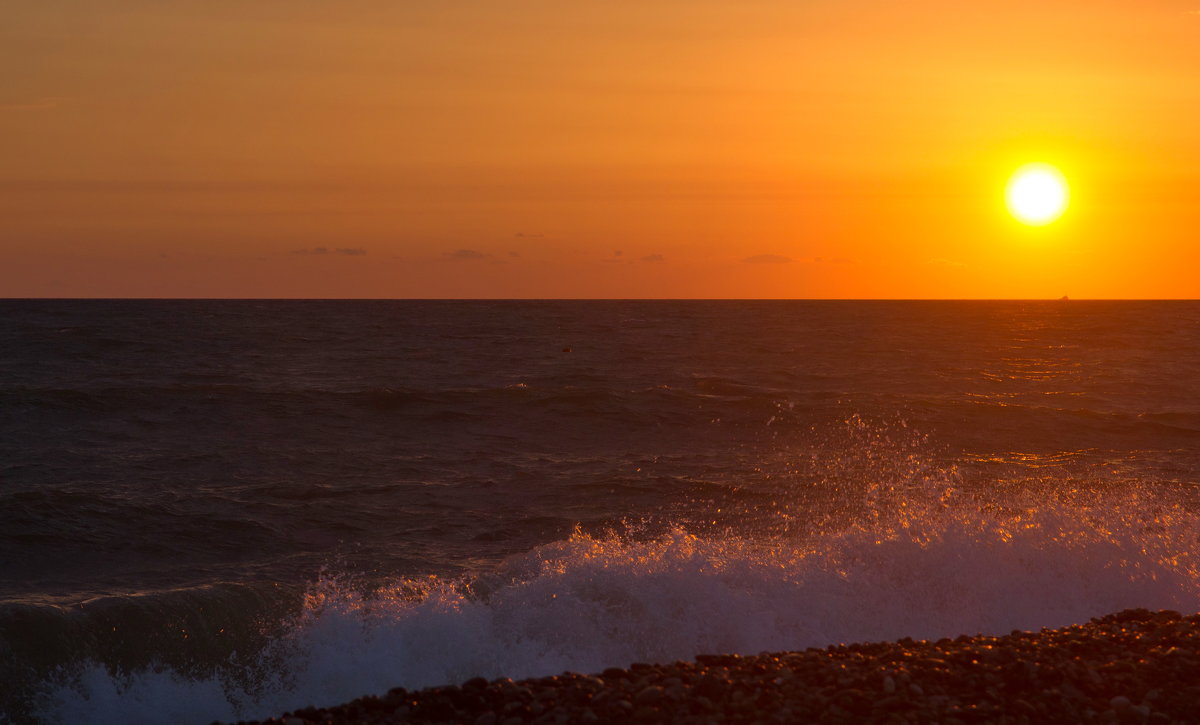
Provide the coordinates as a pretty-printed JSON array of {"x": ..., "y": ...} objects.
[{"x": 554, "y": 148}]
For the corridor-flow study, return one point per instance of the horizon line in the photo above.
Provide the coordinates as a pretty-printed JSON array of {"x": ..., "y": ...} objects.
[{"x": 606, "y": 299}]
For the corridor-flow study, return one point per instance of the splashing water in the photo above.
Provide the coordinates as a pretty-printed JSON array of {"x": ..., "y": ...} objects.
[{"x": 903, "y": 549}]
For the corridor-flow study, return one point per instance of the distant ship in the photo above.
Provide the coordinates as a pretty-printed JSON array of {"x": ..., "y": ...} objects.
[{"x": 1064, "y": 298}]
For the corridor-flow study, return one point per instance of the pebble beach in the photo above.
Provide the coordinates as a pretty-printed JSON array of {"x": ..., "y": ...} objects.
[{"x": 1135, "y": 666}]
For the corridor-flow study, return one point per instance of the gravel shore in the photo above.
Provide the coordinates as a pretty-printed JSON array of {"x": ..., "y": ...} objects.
[{"x": 1135, "y": 666}]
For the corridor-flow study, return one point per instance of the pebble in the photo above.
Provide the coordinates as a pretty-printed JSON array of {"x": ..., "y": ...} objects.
[
  {"x": 1051, "y": 676},
  {"x": 649, "y": 696}
]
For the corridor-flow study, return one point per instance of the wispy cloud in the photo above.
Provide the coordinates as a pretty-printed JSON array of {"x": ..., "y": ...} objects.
[
  {"x": 466, "y": 255},
  {"x": 940, "y": 262},
  {"x": 653, "y": 258},
  {"x": 768, "y": 259},
  {"x": 33, "y": 104},
  {"x": 780, "y": 259},
  {"x": 346, "y": 251}
]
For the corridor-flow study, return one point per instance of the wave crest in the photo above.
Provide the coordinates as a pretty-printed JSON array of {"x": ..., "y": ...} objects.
[{"x": 918, "y": 555}]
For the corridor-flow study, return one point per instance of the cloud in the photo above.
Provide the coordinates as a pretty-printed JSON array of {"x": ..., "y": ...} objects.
[
  {"x": 768, "y": 259},
  {"x": 465, "y": 255},
  {"x": 35, "y": 104},
  {"x": 526, "y": 235},
  {"x": 514, "y": 255},
  {"x": 780, "y": 259},
  {"x": 653, "y": 258},
  {"x": 347, "y": 251}
]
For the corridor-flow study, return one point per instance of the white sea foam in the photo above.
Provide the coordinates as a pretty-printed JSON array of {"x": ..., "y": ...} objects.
[{"x": 923, "y": 563}]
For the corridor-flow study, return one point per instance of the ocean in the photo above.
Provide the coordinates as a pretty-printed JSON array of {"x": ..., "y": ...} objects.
[{"x": 228, "y": 509}]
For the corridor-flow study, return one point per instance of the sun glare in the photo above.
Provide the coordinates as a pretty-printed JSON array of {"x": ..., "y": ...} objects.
[{"x": 1036, "y": 194}]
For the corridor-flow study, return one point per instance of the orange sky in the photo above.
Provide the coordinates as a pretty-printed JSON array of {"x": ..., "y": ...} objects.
[{"x": 542, "y": 148}]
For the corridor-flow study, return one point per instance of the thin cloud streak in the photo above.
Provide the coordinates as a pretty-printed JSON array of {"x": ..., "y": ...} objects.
[
  {"x": 768, "y": 259},
  {"x": 37, "y": 104},
  {"x": 344, "y": 251},
  {"x": 466, "y": 255}
]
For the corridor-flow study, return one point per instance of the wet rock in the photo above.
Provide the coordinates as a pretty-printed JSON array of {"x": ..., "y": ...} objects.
[
  {"x": 1149, "y": 659},
  {"x": 649, "y": 696},
  {"x": 475, "y": 683}
]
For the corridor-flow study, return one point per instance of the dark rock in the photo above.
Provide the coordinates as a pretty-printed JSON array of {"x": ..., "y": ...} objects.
[
  {"x": 649, "y": 695},
  {"x": 475, "y": 683},
  {"x": 710, "y": 686}
]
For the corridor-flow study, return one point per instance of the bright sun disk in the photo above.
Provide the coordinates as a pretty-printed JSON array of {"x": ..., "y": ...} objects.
[{"x": 1036, "y": 194}]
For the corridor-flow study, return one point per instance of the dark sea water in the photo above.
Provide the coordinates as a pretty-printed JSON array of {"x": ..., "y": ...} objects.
[{"x": 227, "y": 509}]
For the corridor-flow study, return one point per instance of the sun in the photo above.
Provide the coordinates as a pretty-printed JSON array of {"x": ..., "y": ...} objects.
[{"x": 1037, "y": 194}]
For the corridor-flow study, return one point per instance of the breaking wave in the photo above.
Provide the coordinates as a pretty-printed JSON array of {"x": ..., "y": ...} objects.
[{"x": 905, "y": 549}]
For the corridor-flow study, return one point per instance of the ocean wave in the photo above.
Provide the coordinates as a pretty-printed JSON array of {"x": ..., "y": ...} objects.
[{"x": 916, "y": 554}]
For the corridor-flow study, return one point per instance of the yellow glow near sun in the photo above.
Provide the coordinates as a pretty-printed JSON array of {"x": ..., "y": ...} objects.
[{"x": 1036, "y": 194}]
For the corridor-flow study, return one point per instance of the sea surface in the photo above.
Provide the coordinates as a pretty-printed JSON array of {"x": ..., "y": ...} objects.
[{"x": 228, "y": 509}]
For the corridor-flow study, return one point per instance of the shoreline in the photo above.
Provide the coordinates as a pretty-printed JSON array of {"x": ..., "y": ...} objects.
[{"x": 1135, "y": 666}]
